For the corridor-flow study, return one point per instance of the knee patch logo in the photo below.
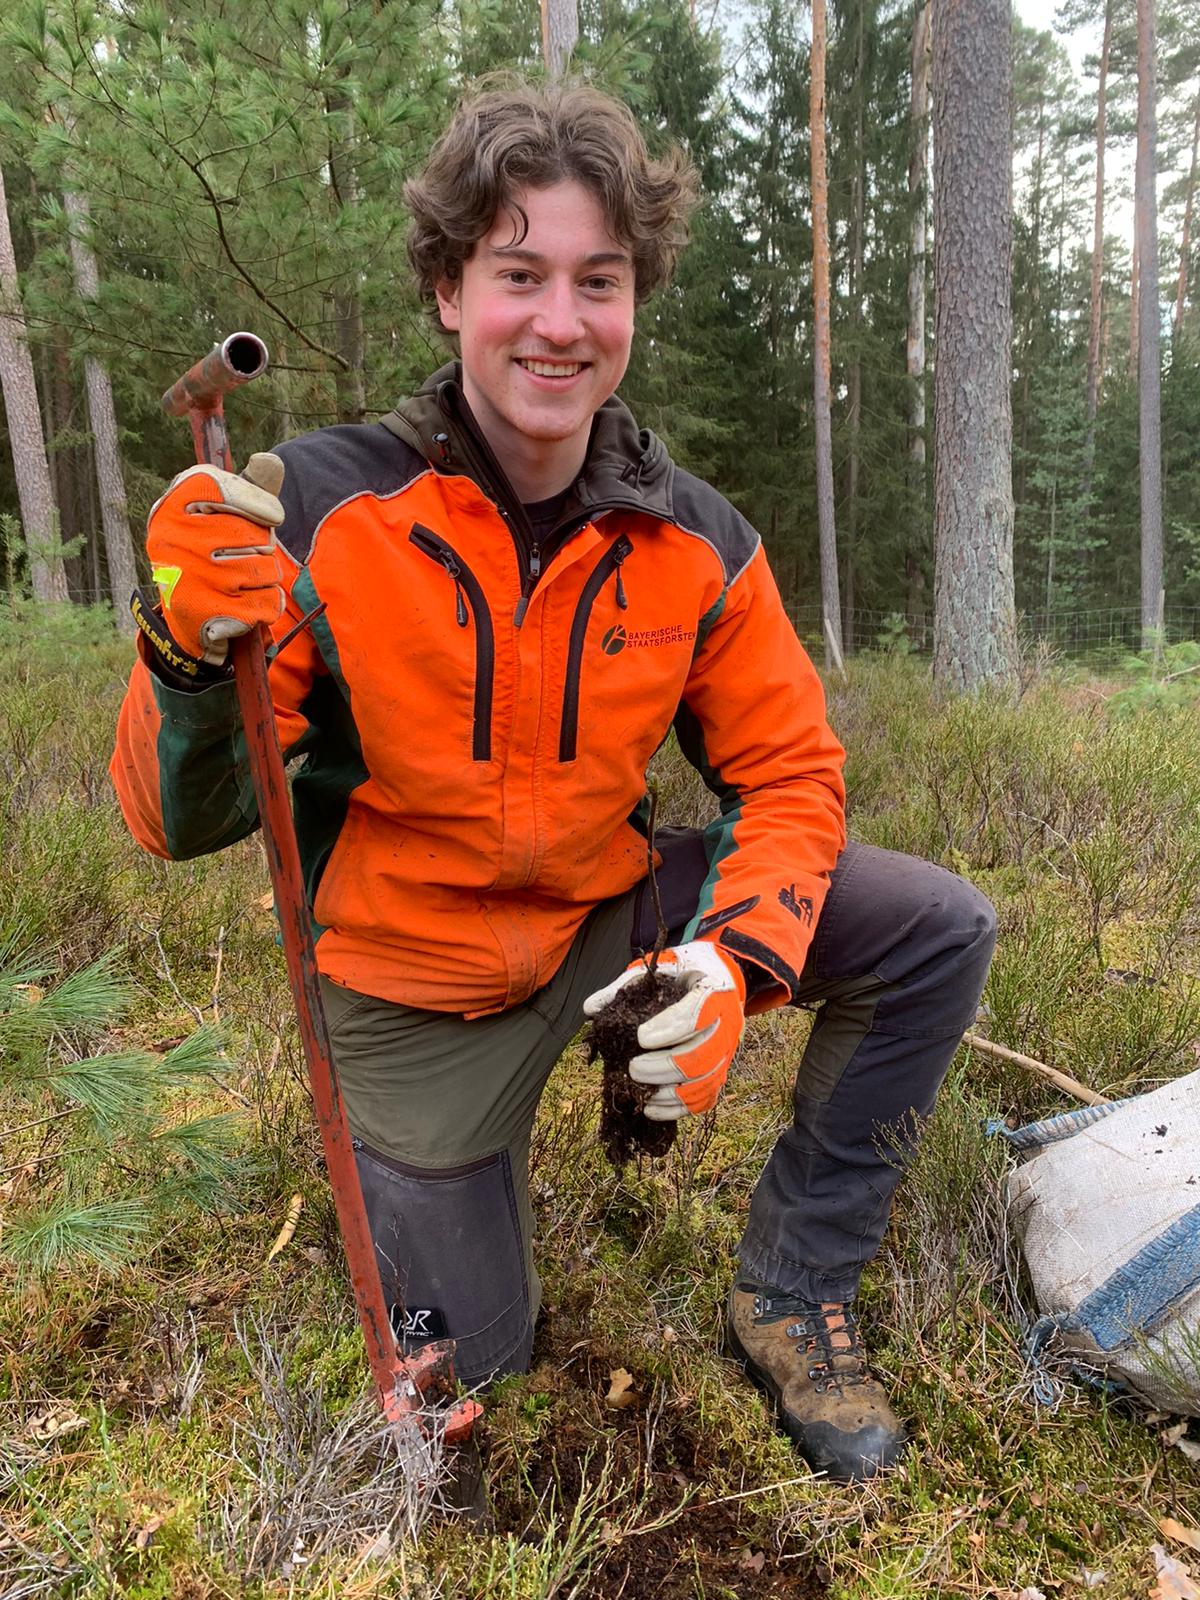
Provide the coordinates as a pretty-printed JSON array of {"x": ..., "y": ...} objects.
[{"x": 418, "y": 1322}]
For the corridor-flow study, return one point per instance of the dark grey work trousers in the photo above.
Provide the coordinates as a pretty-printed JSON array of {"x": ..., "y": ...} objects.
[{"x": 442, "y": 1108}]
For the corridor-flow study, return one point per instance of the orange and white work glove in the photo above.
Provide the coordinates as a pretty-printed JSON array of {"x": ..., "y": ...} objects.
[
  {"x": 690, "y": 1044},
  {"x": 211, "y": 543}
]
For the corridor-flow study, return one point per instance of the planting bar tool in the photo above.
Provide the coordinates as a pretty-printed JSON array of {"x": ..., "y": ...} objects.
[{"x": 405, "y": 1384}]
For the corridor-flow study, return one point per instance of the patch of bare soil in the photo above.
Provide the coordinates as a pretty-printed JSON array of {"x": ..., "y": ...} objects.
[{"x": 661, "y": 1458}]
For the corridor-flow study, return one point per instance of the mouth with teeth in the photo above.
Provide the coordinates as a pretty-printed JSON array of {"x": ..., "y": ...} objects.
[{"x": 550, "y": 369}]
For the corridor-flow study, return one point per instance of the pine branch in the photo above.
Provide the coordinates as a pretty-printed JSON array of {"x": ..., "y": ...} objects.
[{"x": 42, "y": 1238}]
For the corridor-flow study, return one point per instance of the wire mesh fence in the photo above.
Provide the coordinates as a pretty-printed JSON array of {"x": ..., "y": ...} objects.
[{"x": 1100, "y": 631}]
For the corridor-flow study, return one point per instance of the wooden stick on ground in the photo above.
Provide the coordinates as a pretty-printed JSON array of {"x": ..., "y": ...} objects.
[{"x": 1068, "y": 1085}]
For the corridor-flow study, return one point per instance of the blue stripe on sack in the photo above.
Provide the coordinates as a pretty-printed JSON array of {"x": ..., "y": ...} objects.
[
  {"x": 1133, "y": 1298},
  {"x": 1036, "y": 1134}
]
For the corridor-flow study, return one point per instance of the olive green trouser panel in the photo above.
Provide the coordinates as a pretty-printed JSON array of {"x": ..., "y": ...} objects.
[{"x": 429, "y": 1094}]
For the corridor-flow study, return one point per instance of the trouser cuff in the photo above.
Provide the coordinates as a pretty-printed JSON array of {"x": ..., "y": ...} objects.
[{"x": 810, "y": 1283}]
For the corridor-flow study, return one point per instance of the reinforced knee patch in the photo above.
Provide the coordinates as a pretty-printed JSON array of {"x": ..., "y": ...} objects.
[{"x": 450, "y": 1253}]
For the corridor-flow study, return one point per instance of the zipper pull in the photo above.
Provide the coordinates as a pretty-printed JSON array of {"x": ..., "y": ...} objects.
[
  {"x": 460, "y": 605},
  {"x": 535, "y": 572},
  {"x": 619, "y": 555}
]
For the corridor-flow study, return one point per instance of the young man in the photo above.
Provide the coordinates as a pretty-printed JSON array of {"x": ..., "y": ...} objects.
[{"x": 522, "y": 594}]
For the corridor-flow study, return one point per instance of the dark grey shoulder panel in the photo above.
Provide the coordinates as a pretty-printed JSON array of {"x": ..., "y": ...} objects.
[
  {"x": 698, "y": 509},
  {"x": 332, "y": 465}
]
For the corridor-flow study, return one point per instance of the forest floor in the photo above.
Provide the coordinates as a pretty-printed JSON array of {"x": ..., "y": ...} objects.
[{"x": 181, "y": 1418}]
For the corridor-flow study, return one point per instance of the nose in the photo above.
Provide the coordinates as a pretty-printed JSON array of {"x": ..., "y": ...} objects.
[{"x": 557, "y": 319}]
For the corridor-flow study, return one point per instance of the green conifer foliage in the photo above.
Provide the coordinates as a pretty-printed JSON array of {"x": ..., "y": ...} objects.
[{"x": 100, "y": 1144}]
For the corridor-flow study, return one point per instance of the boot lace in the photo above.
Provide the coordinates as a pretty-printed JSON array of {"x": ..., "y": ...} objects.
[{"x": 831, "y": 1344}]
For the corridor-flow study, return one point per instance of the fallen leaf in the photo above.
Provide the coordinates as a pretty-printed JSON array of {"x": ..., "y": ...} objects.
[
  {"x": 1174, "y": 1580},
  {"x": 621, "y": 1392},
  {"x": 1031, "y": 1594},
  {"x": 1173, "y": 1435},
  {"x": 1190, "y": 1448},
  {"x": 1170, "y": 1529},
  {"x": 265, "y": 902},
  {"x": 32, "y": 993},
  {"x": 53, "y": 1423},
  {"x": 669, "y": 1336},
  {"x": 753, "y": 1560},
  {"x": 287, "y": 1232},
  {"x": 378, "y": 1549},
  {"x": 147, "y": 1531},
  {"x": 1093, "y": 1577}
]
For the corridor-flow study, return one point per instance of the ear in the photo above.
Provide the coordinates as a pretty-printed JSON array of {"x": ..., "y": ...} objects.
[{"x": 448, "y": 291}]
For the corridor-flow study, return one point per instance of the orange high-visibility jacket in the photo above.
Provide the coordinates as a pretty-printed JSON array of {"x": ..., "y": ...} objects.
[{"x": 475, "y": 727}]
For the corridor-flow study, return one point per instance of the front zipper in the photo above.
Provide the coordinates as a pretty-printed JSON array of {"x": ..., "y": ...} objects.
[
  {"x": 609, "y": 563},
  {"x": 491, "y": 477},
  {"x": 468, "y": 585}
]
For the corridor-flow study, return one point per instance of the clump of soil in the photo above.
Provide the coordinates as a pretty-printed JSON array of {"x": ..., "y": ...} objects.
[{"x": 623, "y": 1129}]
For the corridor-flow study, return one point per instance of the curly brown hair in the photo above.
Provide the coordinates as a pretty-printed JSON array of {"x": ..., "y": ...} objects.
[{"x": 511, "y": 135}]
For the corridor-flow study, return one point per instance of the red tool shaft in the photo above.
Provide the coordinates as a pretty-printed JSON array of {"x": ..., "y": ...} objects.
[{"x": 400, "y": 1384}]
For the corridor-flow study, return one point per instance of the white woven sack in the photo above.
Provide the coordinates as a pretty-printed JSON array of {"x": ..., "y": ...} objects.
[{"x": 1108, "y": 1210}]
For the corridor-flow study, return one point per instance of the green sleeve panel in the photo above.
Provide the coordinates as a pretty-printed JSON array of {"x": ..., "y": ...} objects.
[{"x": 204, "y": 774}]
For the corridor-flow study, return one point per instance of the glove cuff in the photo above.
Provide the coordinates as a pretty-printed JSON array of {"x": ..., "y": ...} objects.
[
  {"x": 169, "y": 660},
  {"x": 739, "y": 970}
]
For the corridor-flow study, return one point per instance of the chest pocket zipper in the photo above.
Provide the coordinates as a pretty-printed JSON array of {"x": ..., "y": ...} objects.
[
  {"x": 610, "y": 562},
  {"x": 467, "y": 592}
]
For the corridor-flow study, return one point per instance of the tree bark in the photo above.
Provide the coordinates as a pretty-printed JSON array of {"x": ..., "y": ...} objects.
[
  {"x": 918, "y": 195},
  {"x": 854, "y": 373},
  {"x": 34, "y": 493},
  {"x": 974, "y": 611},
  {"x": 1135, "y": 299},
  {"x": 1096, "y": 303},
  {"x": 830, "y": 607},
  {"x": 102, "y": 417},
  {"x": 1025, "y": 358},
  {"x": 560, "y": 33},
  {"x": 1186, "y": 239},
  {"x": 1149, "y": 372},
  {"x": 350, "y": 375}
]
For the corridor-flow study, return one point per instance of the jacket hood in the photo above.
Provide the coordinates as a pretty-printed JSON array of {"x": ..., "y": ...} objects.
[{"x": 626, "y": 466}]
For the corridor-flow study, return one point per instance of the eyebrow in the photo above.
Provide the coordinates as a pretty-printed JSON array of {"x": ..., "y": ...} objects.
[{"x": 599, "y": 258}]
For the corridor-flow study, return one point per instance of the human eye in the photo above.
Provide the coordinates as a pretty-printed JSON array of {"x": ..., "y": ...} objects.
[
  {"x": 601, "y": 283},
  {"x": 518, "y": 277}
]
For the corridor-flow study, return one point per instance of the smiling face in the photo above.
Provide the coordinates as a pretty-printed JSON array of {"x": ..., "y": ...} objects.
[{"x": 545, "y": 324}]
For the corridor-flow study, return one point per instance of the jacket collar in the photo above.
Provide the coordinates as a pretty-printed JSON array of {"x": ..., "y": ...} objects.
[{"x": 626, "y": 467}]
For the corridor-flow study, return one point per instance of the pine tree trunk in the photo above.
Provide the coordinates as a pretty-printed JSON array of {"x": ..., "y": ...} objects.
[
  {"x": 102, "y": 416},
  {"x": 918, "y": 195},
  {"x": 830, "y": 607},
  {"x": 34, "y": 493},
  {"x": 1186, "y": 239},
  {"x": 1149, "y": 373},
  {"x": 350, "y": 375},
  {"x": 974, "y": 621},
  {"x": 560, "y": 33},
  {"x": 1095, "y": 363},
  {"x": 1135, "y": 301},
  {"x": 854, "y": 374},
  {"x": 1032, "y": 302}
]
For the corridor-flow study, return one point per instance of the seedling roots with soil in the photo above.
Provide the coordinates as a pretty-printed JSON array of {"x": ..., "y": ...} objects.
[{"x": 624, "y": 1128}]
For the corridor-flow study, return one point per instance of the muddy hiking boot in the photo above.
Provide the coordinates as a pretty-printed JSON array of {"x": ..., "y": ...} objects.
[{"x": 809, "y": 1360}]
